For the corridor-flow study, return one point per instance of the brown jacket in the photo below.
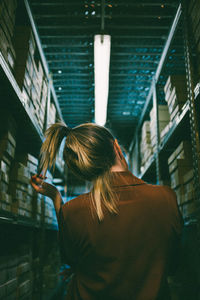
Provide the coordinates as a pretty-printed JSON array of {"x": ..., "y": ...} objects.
[{"x": 126, "y": 256}]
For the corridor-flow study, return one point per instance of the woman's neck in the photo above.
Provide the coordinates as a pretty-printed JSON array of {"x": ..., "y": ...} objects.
[{"x": 119, "y": 166}]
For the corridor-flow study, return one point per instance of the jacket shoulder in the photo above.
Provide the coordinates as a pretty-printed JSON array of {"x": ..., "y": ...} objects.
[{"x": 76, "y": 203}]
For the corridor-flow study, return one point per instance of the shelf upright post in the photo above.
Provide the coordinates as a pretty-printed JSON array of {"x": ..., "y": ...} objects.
[
  {"x": 137, "y": 153},
  {"x": 155, "y": 107},
  {"x": 193, "y": 113},
  {"x": 48, "y": 105}
]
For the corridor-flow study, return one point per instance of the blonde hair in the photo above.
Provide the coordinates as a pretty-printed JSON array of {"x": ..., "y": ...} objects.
[{"x": 89, "y": 154}]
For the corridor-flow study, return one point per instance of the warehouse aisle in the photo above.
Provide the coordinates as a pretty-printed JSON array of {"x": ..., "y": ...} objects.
[{"x": 47, "y": 75}]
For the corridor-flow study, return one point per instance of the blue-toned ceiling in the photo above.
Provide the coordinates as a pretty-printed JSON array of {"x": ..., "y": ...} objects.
[{"x": 138, "y": 29}]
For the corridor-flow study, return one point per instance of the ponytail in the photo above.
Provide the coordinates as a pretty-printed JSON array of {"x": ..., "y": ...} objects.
[
  {"x": 103, "y": 196},
  {"x": 54, "y": 136},
  {"x": 89, "y": 153}
]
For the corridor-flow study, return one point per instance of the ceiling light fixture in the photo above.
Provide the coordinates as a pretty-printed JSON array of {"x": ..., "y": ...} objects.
[{"x": 101, "y": 76}]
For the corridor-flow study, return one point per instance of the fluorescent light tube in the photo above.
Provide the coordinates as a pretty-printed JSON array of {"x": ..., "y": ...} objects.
[{"x": 101, "y": 76}]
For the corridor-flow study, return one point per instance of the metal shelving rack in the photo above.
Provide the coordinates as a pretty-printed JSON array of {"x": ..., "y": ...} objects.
[
  {"x": 32, "y": 134},
  {"x": 194, "y": 120},
  {"x": 154, "y": 161},
  {"x": 188, "y": 116}
]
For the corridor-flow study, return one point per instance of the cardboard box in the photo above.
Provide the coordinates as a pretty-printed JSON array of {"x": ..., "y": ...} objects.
[
  {"x": 163, "y": 113},
  {"x": 5, "y": 197},
  {"x": 4, "y": 177},
  {"x": 188, "y": 176},
  {"x": 3, "y": 187},
  {"x": 19, "y": 171},
  {"x": 179, "y": 190},
  {"x": 3, "y": 291},
  {"x": 188, "y": 208},
  {"x": 24, "y": 288},
  {"x": 26, "y": 158},
  {"x": 179, "y": 163},
  {"x": 183, "y": 151},
  {"x": 11, "y": 286},
  {"x": 165, "y": 131},
  {"x": 177, "y": 176},
  {"x": 178, "y": 81},
  {"x": 7, "y": 145}
]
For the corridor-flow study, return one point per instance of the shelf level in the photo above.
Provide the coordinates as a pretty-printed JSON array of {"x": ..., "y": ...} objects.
[
  {"x": 13, "y": 219},
  {"x": 15, "y": 103},
  {"x": 170, "y": 141},
  {"x": 28, "y": 127}
]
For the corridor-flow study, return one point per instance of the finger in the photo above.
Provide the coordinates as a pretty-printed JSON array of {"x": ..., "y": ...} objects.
[
  {"x": 36, "y": 187},
  {"x": 37, "y": 180}
]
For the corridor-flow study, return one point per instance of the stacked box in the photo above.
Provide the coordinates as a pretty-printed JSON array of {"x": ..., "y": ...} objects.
[
  {"x": 163, "y": 121},
  {"x": 43, "y": 103},
  {"x": 7, "y": 23},
  {"x": 16, "y": 276},
  {"x": 145, "y": 145},
  {"x": 37, "y": 203},
  {"x": 24, "y": 273},
  {"x": 29, "y": 73},
  {"x": 36, "y": 266},
  {"x": 34, "y": 198},
  {"x": 11, "y": 282},
  {"x": 52, "y": 114},
  {"x": 175, "y": 94},
  {"x": 23, "y": 196},
  {"x": 18, "y": 188},
  {"x": 49, "y": 212},
  {"x": 180, "y": 164},
  {"x": 165, "y": 131},
  {"x": 7, "y": 152},
  {"x": 25, "y": 48},
  {"x": 15, "y": 266},
  {"x": 51, "y": 269},
  {"x": 188, "y": 200}
]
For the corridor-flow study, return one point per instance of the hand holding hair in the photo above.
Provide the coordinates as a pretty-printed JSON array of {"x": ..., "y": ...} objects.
[{"x": 47, "y": 189}]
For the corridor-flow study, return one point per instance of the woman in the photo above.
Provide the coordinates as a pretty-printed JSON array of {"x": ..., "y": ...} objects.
[{"x": 120, "y": 239}]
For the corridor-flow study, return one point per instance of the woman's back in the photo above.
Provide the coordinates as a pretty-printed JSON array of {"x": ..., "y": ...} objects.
[{"x": 127, "y": 255}]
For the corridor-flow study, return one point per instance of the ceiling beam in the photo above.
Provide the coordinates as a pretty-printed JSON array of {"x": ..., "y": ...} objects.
[
  {"x": 91, "y": 37},
  {"x": 113, "y": 31},
  {"x": 152, "y": 36},
  {"x": 94, "y": 28},
  {"x": 112, "y": 60},
  {"x": 65, "y": 59},
  {"x": 71, "y": 68},
  {"x": 76, "y": 100},
  {"x": 79, "y": 15},
  {"x": 131, "y": 75},
  {"x": 127, "y": 66},
  {"x": 67, "y": 90},
  {"x": 57, "y": 76},
  {"x": 128, "y": 4},
  {"x": 114, "y": 45},
  {"x": 47, "y": 52},
  {"x": 71, "y": 85},
  {"x": 71, "y": 81}
]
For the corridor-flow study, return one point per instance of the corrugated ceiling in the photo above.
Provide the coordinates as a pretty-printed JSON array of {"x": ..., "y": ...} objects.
[{"x": 138, "y": 32}]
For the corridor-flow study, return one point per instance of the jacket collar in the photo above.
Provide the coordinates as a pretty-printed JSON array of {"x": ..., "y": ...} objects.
[{"x": 125, "y": 178}]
